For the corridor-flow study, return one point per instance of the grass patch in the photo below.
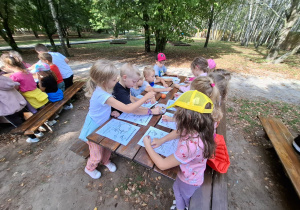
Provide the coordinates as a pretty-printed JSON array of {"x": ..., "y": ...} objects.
[{"x": 244, "y": 112}]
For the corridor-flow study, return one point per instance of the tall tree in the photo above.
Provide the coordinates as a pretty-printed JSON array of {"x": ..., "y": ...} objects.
[
  {"x": 292, "y": 13},
  {"x": 6, "y": 18},
  {"x": 61, "y": 39}
]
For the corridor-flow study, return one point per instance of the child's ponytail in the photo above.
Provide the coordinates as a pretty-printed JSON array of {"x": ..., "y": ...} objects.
[
  {"x": 207, "y": 86},
  {"x": 90, "y": 87}
]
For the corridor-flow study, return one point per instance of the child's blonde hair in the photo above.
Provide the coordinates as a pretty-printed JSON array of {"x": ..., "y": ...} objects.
[
  {"x": 14, "y": 61},
  {"x": 100, "y": 73},
  {"x": 45, "y": 56},
  {"x": 147, "y": 71},
  {"x": 200, "y": 63},
  {"x": 206, "y": 85},
  {"x": 129, "y": 70},
  {"x": 16, "y": 55},
  {"x": 222, "y": 84}
]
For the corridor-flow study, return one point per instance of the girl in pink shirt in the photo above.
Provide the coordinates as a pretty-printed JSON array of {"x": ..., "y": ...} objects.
[
  {"x": 199, "y": 68},
  {"x": 27, "y": 86},
  {"x": 195, "y": 128}
]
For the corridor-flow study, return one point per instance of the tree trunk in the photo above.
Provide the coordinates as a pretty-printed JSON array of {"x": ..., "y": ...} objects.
[
  {"x": 211, "y": 19},
  {"x": 35, "y": 34},
  {"x": 147, "y": 31},
  {"x": 249, "y": 25},
  {"x": 78, "y": 32},
  {"x": 8, "y": 35},
  {"x": 61, "y": 39},
  {"x": 286, "y": 55},
  {"x": 161, "y": 41},
  {"x": 291, "y": 18}
]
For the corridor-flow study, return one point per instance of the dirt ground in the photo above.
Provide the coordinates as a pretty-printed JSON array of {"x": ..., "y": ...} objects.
[{"x": 47, "y": 175}]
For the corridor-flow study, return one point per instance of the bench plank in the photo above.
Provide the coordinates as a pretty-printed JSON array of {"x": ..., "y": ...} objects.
[
  {"x": 281, "y": 140},
  {"x": 80, "y": 148},
  {"x": 68, "y": 94}
]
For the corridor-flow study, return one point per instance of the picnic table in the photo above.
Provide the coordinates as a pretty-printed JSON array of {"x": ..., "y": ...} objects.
[{"x": 132, "y": 150}]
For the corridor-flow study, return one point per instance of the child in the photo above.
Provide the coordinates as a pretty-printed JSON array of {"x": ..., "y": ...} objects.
[
  {"x": 129, "y": 75},
  {"x": 160, "y": 68},
  {"x": 211, "y": 65},
  {"x": 16, "y": 54},
  {"x": 47, "y": 58},
  {"x": 139, "y": 87},
  {"x": 199, "y": 68},
  {"x": 62, "y": 63},
  {"x": 149, "y": 75},
  {"x": 195, "y": 146},
  {"x": 27, "y": 85},
  {"x": 12, "y": 105},
  {"x": 222, "y": 84},
  {"x": 103, "y": 77}
]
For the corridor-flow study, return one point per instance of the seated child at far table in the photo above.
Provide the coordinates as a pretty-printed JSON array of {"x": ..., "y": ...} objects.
[
  {"x": 129, "y": 75},
  {"x": 47, "y": 58},
  {"x": 196, "y": 144},
  {"x": 149, "y": 75},
  {"x": 199, "y": 68},
  {"x": 160, "y": 69}
]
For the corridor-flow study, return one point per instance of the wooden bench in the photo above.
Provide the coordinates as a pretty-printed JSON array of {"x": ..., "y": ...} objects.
[
  {"x": 118, "y": 42},
  {"x": 282, "y": 140},
  {"x": 38, "y": 119},
  {"x": 80, "y": 148}
]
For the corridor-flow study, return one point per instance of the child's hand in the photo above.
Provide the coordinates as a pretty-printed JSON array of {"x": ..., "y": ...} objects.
[
  {"x": 153, "y": 100},
  {"x": 187, "y": 79},
  {"x": 147, "y": 141},
  {"x": 156, "y": 143},
  {"x": 169, "y": 88},
  {"x": 150, "y": 95},
  {"x": 115, "y": 114},
  {"x": 166, "y": 85},
  {"x": 167, "y": 118},
  {"x": 148, "y": 101},
  {"x": 156, "y": 110}
]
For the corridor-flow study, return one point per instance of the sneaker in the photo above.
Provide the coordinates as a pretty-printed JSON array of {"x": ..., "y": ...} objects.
[
  {"x": 51, "y": 122},
  {"x": 30, "y": 140},
  {"x": 94, "y": 174},
  {"x": 111, "y": 167},
  {"x": 66, "y": 107},
  {"x": 296, "y": 144},
  {"x": 41, "y": 129},
  {"x": 39, "y": 135}
]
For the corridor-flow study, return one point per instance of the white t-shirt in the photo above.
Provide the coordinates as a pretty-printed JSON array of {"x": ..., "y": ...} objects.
[
  {"x": 159, "y": 71},
  {"x": 59, "y": 60},
  {"x": 99, "y": 111}
]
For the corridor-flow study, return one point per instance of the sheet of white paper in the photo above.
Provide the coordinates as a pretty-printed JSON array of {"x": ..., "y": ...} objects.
[
  {"x": 169, "y": 103},
  {"x": 159, "y": 86},
  {"x": 171, "y": 125},
  {"x": 165, "y": 149},
  {"x": 139, "y": 119},
  {"x": 119, "y": 131},
  {"x": 147, "y": 105}
]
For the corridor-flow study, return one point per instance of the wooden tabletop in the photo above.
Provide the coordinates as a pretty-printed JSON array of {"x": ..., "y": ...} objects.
[{"x": 132, "y": 150}]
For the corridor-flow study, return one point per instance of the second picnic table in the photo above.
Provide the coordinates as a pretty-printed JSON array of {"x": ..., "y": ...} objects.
[{"x": 132, "y": 150}]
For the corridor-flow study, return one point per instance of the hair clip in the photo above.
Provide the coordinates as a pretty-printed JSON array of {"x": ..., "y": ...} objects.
[
  {"x": 208, "y": 67},
  {"x": 212, "y": 84}
]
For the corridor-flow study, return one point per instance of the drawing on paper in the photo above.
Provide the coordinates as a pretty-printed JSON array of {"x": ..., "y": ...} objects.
[
  {"x": 147, "y": 105},
  {"x": 169, "y": 103},
  {"x": 159, "y": 86},
  {"x": 166, "y": 149},
  {"x": 139, "y": 119},
  {"x": 171, "y": 125},
  {"x": 119, "y": 131}
]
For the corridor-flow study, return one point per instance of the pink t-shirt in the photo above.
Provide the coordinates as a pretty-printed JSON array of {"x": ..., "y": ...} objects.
[
  {"x": 189, "y": 153},
  {"x": 26, "y": 81},
  {"x": 187, "y": 88}
]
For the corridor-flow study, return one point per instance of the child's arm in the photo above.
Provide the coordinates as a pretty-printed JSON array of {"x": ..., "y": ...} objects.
[
  {"x": 159, "y": 79},
  {"x": 67, "y": 60},
  {"x": 149, "y": 89},
  {"x": 133, "y": 99},
  {"x": 160, "y": 162},
  {"x": 40, "y": 83},
  {"x": 157, "y": 142},
  {"x": 128, "y": 108}
]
